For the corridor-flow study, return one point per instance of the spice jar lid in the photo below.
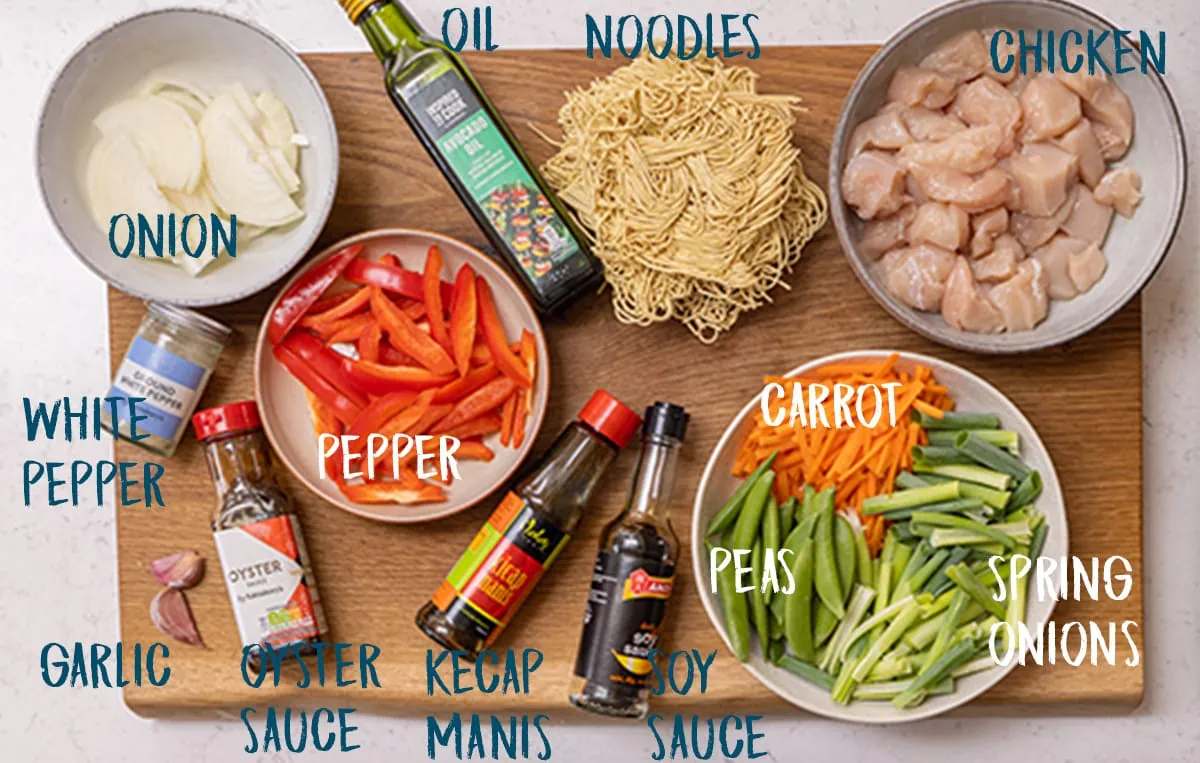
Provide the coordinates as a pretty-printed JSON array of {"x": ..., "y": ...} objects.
[
  {"x": 610, "y": 417},
  {"x": 233, "y": 417},
  {"x": 198, "y": 322},
  {"x": 665, "y": 420}
]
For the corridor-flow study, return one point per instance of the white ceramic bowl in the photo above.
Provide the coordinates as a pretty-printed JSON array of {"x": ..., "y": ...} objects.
[
  {"x": 970, "y": 393},
  {"x": 210, "y": 49},
  {"x": 284, "y": 408},
  {"x": 1135, "y": 247}
]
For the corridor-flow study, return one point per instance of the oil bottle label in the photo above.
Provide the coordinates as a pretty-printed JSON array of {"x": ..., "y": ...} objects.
[
  {"x": 493, "y": 174},
  {"x": 624, "y": 614},
  {"x": 270, "y": 582},
  {"x": 502, "y": 565}
]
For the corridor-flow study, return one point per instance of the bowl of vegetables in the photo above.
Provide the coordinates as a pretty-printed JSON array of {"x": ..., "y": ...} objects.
[
  {"x": 893, "y": 536},
  {"x": 187, "y": 156},
  {"x": 419, "y": 342}
]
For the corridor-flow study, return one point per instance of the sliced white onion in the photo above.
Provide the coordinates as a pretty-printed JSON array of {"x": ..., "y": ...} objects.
[
  {"x": 165, "y": 135},
  {"x": 119, "y": 182},
  {"x": 277, "y": 128}
]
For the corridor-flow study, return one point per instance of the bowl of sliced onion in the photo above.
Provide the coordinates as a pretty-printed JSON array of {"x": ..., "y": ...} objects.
[{"x": 187, "y": 156}]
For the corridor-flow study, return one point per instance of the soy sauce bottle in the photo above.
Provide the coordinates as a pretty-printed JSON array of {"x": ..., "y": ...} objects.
[
  {"x": 632, "y": 580},
  {"x": 473, "y": 147},
  {"x": 510, "y": 553}
]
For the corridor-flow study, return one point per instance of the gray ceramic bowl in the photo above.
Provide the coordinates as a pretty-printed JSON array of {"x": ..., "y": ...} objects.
[
  {"x": 210, "y": 49},
  {"x": 1135, "y": 247}
]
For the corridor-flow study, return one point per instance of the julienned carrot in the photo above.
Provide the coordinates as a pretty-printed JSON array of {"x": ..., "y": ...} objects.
[{"x": 860, "y": 461}]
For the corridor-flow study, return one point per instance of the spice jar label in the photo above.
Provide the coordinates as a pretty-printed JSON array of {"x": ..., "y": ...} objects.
[
  {"x": 504, "y": 562},
  {"x": 167, "y": 381},
  {"x": 625, "y": 611},
  {"x": 267, "y": 572}
]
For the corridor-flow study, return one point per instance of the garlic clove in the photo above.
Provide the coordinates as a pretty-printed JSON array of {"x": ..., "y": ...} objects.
[
  {"x": 170, "y": 613},
  {"x": 182, "y": 569}
]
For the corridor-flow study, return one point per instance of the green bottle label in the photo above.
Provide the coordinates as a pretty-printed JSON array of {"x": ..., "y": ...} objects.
[{"x": 493, "y": 174}]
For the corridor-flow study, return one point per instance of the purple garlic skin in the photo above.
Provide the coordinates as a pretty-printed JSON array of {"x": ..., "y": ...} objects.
[
  {"x": 170, "y": 613},
  {"x": 181, "y": 570}
]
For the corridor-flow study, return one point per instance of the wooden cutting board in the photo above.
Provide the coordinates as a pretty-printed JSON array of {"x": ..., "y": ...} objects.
[{"x": 1085, "y": 400}]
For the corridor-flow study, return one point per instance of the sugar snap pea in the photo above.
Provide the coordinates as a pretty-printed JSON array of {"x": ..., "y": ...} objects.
[
  {"x": 824, "y": 622},
  {"x": 787, "y": 517},
  {"x": 770, "y": 535},
  {"x": 845, "y": 553},
  {"x": 776, "y": 651},
  {"x": 758, "y": 604},
  {"x": 825, "y": 571},
  {"x": 797, "y": 611},
  {"x": 729, "y": 512},
  {"x": 736, "y": 609},
  {"x": 749, "y": 520}
]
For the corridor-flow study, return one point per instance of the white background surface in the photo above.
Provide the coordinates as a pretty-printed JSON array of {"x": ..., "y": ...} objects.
[{"x": 57, "y": 576}]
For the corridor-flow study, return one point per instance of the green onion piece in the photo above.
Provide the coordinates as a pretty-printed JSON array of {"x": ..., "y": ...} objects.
[
  {"x": 729, "y": 513},
  {"x": 808, "y": 672},
  {"x": 958, "y": 505},
  {"x": 933, "y": 455},
  {"x": 952, "y": 420},
  {"x": 880, "y": 616},
  {"x": 1027, "y": 490},
  {"x": 856, "y": 610},
  {"x": 956, "y": 655},
  {"x": 907, "y": 499},
  {"x": 966, "y": 580},
  {"x": 1001, "y": 438},
  {"x": 983, "y": 452},
  {"x": 1038, "y": 542},
  {"x": 890, "y": 667},
  {"x": 896, "y": 628},
  {"x": 965, "y": 472},
  {"x": 962, "y": 523},
  {"x": 942, "y": 641},
  {"x": 921, "y": 575},
  {"x": 909, "y": 481},
  {"x": 939, "y": 578},
  {"x": 977, "y": 665},
  {"x": 899, "y": 561}
]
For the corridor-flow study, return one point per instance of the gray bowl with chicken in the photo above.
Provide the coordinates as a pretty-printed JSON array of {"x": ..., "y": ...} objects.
[{"x": 1007, "y": 211}]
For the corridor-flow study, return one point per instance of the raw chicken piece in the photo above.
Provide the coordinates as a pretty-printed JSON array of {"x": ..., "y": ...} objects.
[
  {"x": 973, "y": 193},
  {"x": 1022, "y": 299},
  {"x": 873, "y": 184},
  {"x": 1032, "y": 231},
  {"x": 926, "y": 124},
  {"x": 971, "y": 150},
  {"x": 913, "y": 189},
  {"x": 1081, "y": 141},
  {"x": 882, "y": 235},
  {"x": 1112, "y": 120},
  {"x": 1050, "y": 108},
  {"x": 1043, "y": 174},
  {"x": 942, "y": 224},
  {"x": 1003, "y": 51},
  {"x": 961, "y": 58},
  {"x": 1087, "y": 267},
  {"x": 984, "y": 229},
  {"x": 964, "y": 305},
  {"x": 913, "y": 86},
  {"x": 1001, "y": 264},
  {"x": 1121, "y": 189},
  {"x": 917, "y": 275},
  {"x": 1017, "y": 86},
  {"x": 1055, "y": 258},
  {"x": 986, "y": 102},
  {"x": 1089, "y": 219},
  {"x": 1081, "y": 82},
  {"x": 884, "y": 130}
]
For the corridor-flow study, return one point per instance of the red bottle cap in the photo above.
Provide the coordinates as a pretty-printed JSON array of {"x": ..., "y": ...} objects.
[
  {"x": 233, "y": 417},
  {"x": 610, "y": 417}
]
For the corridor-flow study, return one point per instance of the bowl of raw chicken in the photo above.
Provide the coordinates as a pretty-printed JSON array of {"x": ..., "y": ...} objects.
[{"x": 1005, "y": 212}]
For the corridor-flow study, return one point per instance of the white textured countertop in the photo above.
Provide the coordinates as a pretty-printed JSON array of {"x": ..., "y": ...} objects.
[{"x": 57, "y": 572}]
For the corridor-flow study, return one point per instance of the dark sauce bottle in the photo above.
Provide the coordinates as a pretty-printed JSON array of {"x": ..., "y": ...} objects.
[
  {"x": 477, "y": 152},
  {"x": 632, "y": 580}
]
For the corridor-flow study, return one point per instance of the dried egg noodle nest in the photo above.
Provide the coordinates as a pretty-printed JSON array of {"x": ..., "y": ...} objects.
[{"x": 690, "y": 188}]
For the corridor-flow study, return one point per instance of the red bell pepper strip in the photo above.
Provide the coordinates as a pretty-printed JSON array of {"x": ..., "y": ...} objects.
[
  {"x": 379, "y": 412},
  {"x": 433, "y": 297},
  {"x": 378, "y": 379},
  {"x": 334, "y": 367},
  {"x": 463, "y": 318},
  {"x": 432, "y": 416},
  {"x": 483, "y": 400},
  {"x": 390, "y": 356},
  {"x": 330, "y": 301},
  {"x": 390, "y": 259},
  {"x": 403, "y": 333},
  {"x": 489, "y": 423},
  {"x": 408, "y": 421},
  {"x": 506, "y": 360},
  {"x": 480, "y": 354},
  {"x": 396, "y": 280},
  {"x": 357, "y": 301},
  {"x": 465, "y": 385},
  {"x": 308, "y": 289},
  {"x": 474, "y": 450},
  {"x": 368, "y": 342},
  {"x": 528, "y": 353},
  {"x": 342, "y": 406},
  {"x": 325, "y": 422},
  {"x": 508, "y": 417},
  {"x": 341, "y": 328},
  {"x": 392, "y": 492}
]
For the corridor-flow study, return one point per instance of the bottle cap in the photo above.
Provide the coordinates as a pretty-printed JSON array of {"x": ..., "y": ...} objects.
[
  {"x": 665, "y": 420},
  {"x": 233, "y": 417},
  {"x": 355, "y": 8},
  {"x": 610, "y": 417}
]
